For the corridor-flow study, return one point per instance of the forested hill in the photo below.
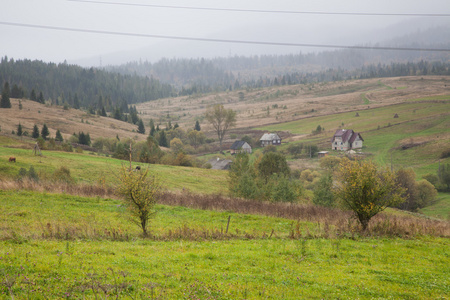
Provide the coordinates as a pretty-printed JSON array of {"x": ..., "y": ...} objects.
[
  {"x": 79, "y": 87},
  {"x": 119, "y": 86},
  {"x": 199, "y": 75}
]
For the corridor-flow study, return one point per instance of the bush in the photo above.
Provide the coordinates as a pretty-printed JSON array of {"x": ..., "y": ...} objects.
[
  {"x": 366, "y": 190},
  {"x": 67, "y": 147},
  {"x": 330, "y": 163},
  {"x": 269, "y": 148},
  {"x": 295, "y": 149},
  {"x": 140, "y": 192},
  {"x": 431, "y": 178},
  {"x": 309, "y": 178},
  {"x": 427, "y": 193},
  {"x": 41, "y": 142},
  {"x": 272, "y": 163},
  {"x": 62, "y": 174},
  {"x": 31, "y": 174},
  {"x": 285, "y": 189},
  {"x": 323, "y": 193}
]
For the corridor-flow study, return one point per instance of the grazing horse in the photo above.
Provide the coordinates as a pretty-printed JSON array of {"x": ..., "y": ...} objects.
[{"x": 12, "y": 159}]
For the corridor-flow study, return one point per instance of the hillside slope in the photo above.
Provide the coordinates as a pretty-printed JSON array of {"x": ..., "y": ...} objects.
[
  {"x": 258, "y": 107},
  {"x": 67, "y": 121}
]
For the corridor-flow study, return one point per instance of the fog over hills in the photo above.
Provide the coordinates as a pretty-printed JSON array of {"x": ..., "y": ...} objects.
[{"x": 418, "y": 32}]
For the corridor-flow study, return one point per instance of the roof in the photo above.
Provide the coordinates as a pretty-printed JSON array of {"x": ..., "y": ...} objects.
[
  {"x": 238, "y": 145},
  {"x": 347, "y": 135},
  {"x": 218, "y": 164},
  {"x": 269, "y": 137}
]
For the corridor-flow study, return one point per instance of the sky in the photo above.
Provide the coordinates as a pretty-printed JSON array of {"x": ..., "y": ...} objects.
[{"x": 72, "y": 27}]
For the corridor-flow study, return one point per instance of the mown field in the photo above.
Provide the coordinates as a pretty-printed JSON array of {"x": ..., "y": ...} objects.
[{"x": 41, "y": 259}]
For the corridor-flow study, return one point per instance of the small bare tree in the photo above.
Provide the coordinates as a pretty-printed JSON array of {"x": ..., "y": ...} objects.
[
  {"x": 140, "y": 191},
  {"x": 221, "y": 119}
]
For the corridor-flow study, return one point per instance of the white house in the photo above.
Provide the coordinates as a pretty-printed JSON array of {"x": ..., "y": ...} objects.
[
  {"x": 270, "y": 139},
  {"x": 346, "y": 139}
]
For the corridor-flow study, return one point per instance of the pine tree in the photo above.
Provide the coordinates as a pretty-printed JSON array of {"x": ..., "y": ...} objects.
[
  {"x": 41, "y": 98},
  {"x": 152, "y": 128},
  {"x": 58, "y": 136},
  {"x": 82, "y": 138},
  {"x": 5, "y": 102},
  {"x": 45, "y": 132},
  {"x": 35, "y": 133},
  {"x": 76, "y": 102},
  {"x": 163, "y": 139},
  {"x": 117, "y": 114},
  {"x": 16, "y": 92},
  {"x": 133, "y": 115},
  {"x": 103, "y": 114},
  {"x": 19, "y": 130},
  {"x": 141, "y": 128},
  {"x": 197, "y": 126},
  {"x": 33, "y": 96}
]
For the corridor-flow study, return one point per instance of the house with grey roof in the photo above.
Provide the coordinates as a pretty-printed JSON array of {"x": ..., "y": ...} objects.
[
  {"x": 346, "y": 139},
  {"x": 240, "y": 147},
  {"x": 270, "y": 139},
  {"x": 220, "y": 164}
]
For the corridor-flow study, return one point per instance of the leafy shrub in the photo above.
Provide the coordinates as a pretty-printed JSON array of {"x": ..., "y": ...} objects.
[
  {"x": 323, "y": 193},
  {"x": 62, "y": 174},
  {"x": 295, "y": 149},
  {"x": 269, "y": 148},
  {"x": 30, "y": 174}
]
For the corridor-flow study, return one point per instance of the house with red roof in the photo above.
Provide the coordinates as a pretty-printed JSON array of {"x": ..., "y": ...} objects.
[{"x": 346, "y": 139}]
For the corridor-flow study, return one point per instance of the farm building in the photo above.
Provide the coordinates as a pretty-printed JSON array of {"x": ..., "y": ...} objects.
[
  {"x": 322, "y": 154},
  {"x": 240, "y": 146},
  {"x": 346, "y": 139},
  {"x": 220, "y": 164},
  {"x": 270, "y": 139}
]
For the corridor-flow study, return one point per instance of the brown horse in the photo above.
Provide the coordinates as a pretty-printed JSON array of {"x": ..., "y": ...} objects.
[{"x": 12, "y": 159}]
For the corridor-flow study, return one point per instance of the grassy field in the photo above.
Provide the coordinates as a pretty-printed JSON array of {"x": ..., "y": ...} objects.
[
  {"x": 91, "y": 169},
  {"x": 440, "y": 209},
  {"x": 55, "y": 246},
  {"x": 423, "y": 127},
  {"x": 112, "y": 260}
]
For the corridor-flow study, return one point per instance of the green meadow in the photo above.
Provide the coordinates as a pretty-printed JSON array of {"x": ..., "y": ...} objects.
[
  {"x": 91, "y": 168},
  {"x": 55, "y": 246},
  {"x": 244, "y": 264},
  {"x": 425, "y": 125}
]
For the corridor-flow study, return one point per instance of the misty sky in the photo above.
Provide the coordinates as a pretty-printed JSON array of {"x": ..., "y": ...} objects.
[{"x": 76, "y": 47}]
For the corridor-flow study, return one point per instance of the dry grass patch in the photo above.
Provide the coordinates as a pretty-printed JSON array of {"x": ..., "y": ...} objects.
[{"x": 67, "y": 121}]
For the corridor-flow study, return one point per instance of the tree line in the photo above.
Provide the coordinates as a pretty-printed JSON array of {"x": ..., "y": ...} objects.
[
  {"x": 78, "y": 87},
  {"x": 226, "y": 74},
  {"x": 101, "y": 91}
]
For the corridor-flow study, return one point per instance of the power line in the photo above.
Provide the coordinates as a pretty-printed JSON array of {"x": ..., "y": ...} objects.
[
  {"x": 265, "y": 11},
  {"x": 143, "y": 35}
]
